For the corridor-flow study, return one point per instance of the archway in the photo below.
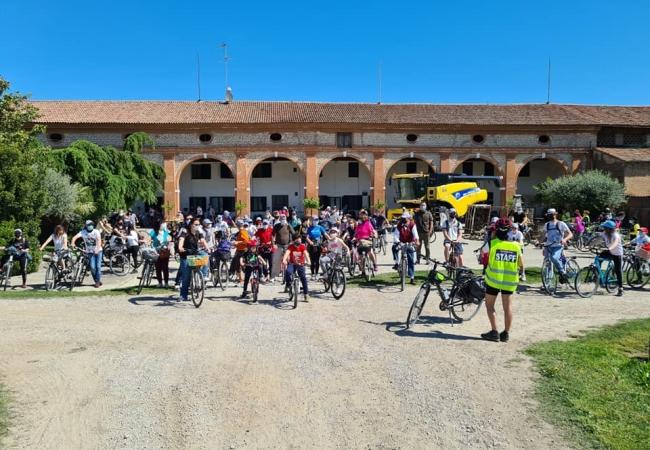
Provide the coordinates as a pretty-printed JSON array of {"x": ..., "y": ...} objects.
[
  {"x": 206, "y": 182},
  {"x": 535, "y": 171},
  {"x": 482, "y": 167},
  {"x": 275, "y": 183},
  {"x": 403, "y": 166},
  {"x": 345, "y": 183}
]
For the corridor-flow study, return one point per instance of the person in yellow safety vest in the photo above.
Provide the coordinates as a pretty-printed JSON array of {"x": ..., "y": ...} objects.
[{"x": 501, "y": 275}]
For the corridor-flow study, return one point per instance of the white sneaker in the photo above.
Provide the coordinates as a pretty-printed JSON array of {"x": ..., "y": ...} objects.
[{"x": 522, "y": 277}]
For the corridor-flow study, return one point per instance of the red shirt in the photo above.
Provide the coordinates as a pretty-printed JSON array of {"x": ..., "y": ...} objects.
[
  {"x": 264, "y": 235},
  {"x": 297, "y": 254}
]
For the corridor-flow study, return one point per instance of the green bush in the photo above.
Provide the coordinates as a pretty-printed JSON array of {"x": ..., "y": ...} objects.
[{"x": 31, "y": 230}]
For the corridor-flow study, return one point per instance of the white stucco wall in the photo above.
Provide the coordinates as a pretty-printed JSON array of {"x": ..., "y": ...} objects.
[
  {"x": 335, "y": 182},
  {"x": 215, "y": 187},
  {"x": 284, "y": 182},
  {"x": 540, "y": 170}
]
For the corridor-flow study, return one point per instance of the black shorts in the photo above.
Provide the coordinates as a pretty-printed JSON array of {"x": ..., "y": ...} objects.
[{"x": 494, "y": 291}]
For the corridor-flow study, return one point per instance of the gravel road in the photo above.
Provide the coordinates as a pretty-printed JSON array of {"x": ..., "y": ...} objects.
[{"x": 147, "y": 372}]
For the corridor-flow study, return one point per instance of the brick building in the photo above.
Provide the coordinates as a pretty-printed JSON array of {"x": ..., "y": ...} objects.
[{"x": 271, "y": 154}]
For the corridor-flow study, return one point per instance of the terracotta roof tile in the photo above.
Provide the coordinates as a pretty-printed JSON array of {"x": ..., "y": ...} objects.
[
  {"x": 252, "y": 112},
  {"x": 627, "y": 154}
]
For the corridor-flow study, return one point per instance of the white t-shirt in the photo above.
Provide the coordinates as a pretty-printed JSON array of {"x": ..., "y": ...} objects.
[
  {"x": 555, "y": 231},
  {"x": 58, "y": 241},
  {"x": 92, "y": 240},
  {"x": 335, "y": 246},
  {"x": 515, "y": 236},
  {"x": 132, "y": 239},
  {"x": 453, "y": 227},
  {"x": 618, "y": 249}
]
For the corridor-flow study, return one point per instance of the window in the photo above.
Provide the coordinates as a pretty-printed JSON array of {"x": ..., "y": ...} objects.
[
  {"x": 344, "y": 140},
  {"x": 275, "y": 137},
  {"x": 258, "y": 203},
  {"x": 221, "y": 204},
  {"x": 525, "y": 171},
  {"x": 353, "y": 170},
  {"x": 478, "y": 138},
  {"x": 224, "y": 171},
  {"x": 468, "y": 168},
  {"x": 205, "y": 138},
  {"x": 489, "y": 169},
  {"x": 55, "y": 137},
  {"x": 278, "y": 201},
  {"x": 352, "y": 202},
  {"x": 411, "y": 137},
  {"x": 411, "y": 167},
  {"x": 544, "y": 139},
  {"x": 263, "y": 170},
  {"x": 634, "y": 140},
  {"x": 197, "y": 201},
  {"x": 201, "y": 171}
]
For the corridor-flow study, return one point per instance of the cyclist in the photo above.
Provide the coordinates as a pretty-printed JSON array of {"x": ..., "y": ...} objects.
[
  {"x": 614, "y": 251},
  {"x": 132, "y": 244},
  {"x": 556, "y": 235},
  {"x": 283, "y": 233},
  {"x": 264, "y": 236},
  {"x": 208, "y": 233},
  {"x": 241, "y": 245},
  {"x": 452, "y": 231},
  {"x": 161, "y": 240},
  {"x": 501, "y": 276},
  {"x": 251, "y": 260},
  {"x": 314, "y": 236},
  {"x": 641, "y": 237},
  {"x": 334, "y": 247},
  {"x": 406, "y": 232},
  {"x": 188, "y": 245},
  {"x": 93, "y": 248},
  {"x": 426, "y": 226},
  {"x": 22, "y": 248},
  {"x": 520, "y": 217},
  {"x": 294, "y": 259},
  {"x": 60, "y": 240},
  {"x": 294, "y": 222},
  {"x": 515, "y": 235},
  {"x": 221, "y": 228},
  {"x": 363, "y": 235}
]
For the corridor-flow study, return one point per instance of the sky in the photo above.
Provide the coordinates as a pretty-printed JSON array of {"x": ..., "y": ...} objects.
[{"x": 428, "y": 51}]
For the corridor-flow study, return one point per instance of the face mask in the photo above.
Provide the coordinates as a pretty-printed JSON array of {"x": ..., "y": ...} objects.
[
  {"x": 423, "y": 207},
  {"x": 283, "y": 221},
  {"x": 163, "y": 227},
  {"x": 296, "y": 243},
  {"x": 315, "y": 222},
  {"x": 90, "y": 227},
  {"x": 452, "y": 215},
  {"x": 195, "y": 228}
]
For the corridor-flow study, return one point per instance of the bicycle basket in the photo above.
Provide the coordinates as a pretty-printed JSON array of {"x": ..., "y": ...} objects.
[
  {"x": 150, "y": 255},
  {"x": 473, "y": 288},
  {"x": 197, "y": 261}
]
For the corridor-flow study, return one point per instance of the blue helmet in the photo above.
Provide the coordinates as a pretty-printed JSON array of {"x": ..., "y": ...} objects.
[{"x": 610, "y": 224}]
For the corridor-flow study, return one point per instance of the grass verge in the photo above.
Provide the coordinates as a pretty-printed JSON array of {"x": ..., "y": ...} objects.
[
  {"x": 37, "y": 293},
  {"x": 597, "y": 387},
  {"x": 4, "y": 414}
]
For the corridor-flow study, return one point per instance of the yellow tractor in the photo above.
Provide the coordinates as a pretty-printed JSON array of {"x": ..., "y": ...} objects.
[{"x": 439, "y": 191}]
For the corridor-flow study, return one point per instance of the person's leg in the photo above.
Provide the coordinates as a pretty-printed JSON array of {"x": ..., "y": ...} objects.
[
  {"x": 459, "y": 255},
  {"x": 410, "y": 262},
  {"x": 447, "y": 245},
  {"x": 419, "y": 250},
  {"x": 425, "y": 244},
  {"x": 184, "y": 271},
  {"x": 288, "y": 275},
  {"x": 247, "y": 276},
  {"x": 303, "y": 279},
  {"x": 205, "y": 270},
  {"x": 507, "y": 311},
  {"x": 395, "y": 251},
  {"x": 618, "y": 270},
  {"x": 490, "y": 301},
  {"x": 165, "y": 270},
  {"x": 277, "y": 259},
  {"x": 554, "y": 254},
  {"x": 22, "y": 259},
  {"x": 159, "y": 265}
]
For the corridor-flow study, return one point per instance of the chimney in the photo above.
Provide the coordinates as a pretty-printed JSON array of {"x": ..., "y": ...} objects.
[{"x": 228, "y": 94}]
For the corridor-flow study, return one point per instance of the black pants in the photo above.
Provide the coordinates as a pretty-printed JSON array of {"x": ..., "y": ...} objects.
[
  {"x": 248, "y": 270},
  {"x": 314, "y": 256},
  {"x": 268, "y": 257},
  {"x": 22, "y": 261},
  {"x": 133, "y": 252},
  {"x": 617, "y": 266}
]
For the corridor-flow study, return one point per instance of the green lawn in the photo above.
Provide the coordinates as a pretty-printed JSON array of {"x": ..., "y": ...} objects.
[
  {"x": 597, "y": 387},
  {"x": 38, "y": 293},
  {"x": 4, "y": 414}
]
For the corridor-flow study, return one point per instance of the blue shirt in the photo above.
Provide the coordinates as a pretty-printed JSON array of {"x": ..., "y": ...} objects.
[{"x": 316, "y": 232}]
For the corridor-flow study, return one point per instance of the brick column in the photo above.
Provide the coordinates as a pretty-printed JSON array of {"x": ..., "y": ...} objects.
[
  {"x": 575, "y": 164},
  {"x": 243, "y": 193},
  {"x": 445, "y": 163},
  {"x": 510, "y": 179},
  {"x": 311, "y": 176},
  {"x": 171, "y": 195},
  {"x": 378, "y": 181}
]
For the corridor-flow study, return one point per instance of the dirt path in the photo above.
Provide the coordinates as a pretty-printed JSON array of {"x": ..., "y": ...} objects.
[{"x": 151, "y": 373}]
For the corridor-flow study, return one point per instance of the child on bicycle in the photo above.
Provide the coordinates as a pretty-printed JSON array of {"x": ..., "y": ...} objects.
[
  {"x": 334, "y": 247},
  {"x": 452, "y": 230},
  {"x": 405, "y": 233},
  {"x": 295, "y": 259},
  {"x": 251, "y": 261},
  {"x": 614, "y": 251}
]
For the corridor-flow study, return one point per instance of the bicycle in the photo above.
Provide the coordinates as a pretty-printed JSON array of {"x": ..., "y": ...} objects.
[
  {"x": 149, "y": 258},
  {"x": 197, "y": 283},
  {"x": 80, "y": 267},
  {"x": 462, "y": 301},
  {"x": 5, "y": 275},
  {"x": 366, "y": 266},
  {"x": 113, "y": 255},
  {"x": 402, "y": 267},
  {"x": 56, "y": 275},
  {"x": 334, "y": 278},
  {"x": 452, "y": 261},
  {"x": 379, "y": 243},
  {"x": 352, "y": 259},
  {"x": 592, "y": 276},
  {"x": 294, "y": 287},
  {"x": 637, "y": 274},
  {"x": 220, "y": 270},
  {"x": 550, "y": 275},
  {"x": 254, "y": 282}
]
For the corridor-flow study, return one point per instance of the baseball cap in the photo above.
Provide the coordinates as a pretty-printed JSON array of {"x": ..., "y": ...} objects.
[
  {"x": 406, "y": 215},
  {"x": 551, "y": 211}
]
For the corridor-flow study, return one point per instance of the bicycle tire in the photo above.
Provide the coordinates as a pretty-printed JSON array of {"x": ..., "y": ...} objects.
[
  {"x": 549, "y": 278},
  {"x": 119, "y": 265},
  {"x": 296, "y": 290},
  {"x": 224, "y": 270},
  {"x": 327, "y": 280},
  {"x": 586, "y": 282},
  {"x": 352, "y": 266},
  {"x": 143, "y": 279},
  {"x": 402, "y": 273},
  {"x": 338, "y": 284},
  {"x": 369, "y": 269},
  {"x": 464, "y": 310},
  {"x": 7, "y": 275},
  {"x": 595, "y": 244},
  {"x": 50, "y": 281},
  {"x": 418, "y": 304},
  {"x": 572, "y": 268},
  {"x": 611, "y": 284},
  {"x": 197, "y": 288},
  {"x": 637, "y": 274}
]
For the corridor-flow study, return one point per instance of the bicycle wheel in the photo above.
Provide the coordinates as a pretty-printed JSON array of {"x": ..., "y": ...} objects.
[
  {"x": 572, "y": 268},
  {"x": 402, "y": 273},
  {"x": 7, "y": 275},
  {"x": 296, "y": 290},
  {"x": 417, "y": 305},
  {"x": 327, "y": 279},
  {"x": 338, "y": 283},
  {"x": 587, "y": 281},
  {"x": 596, "y": 244},
  {"x": 611, "y": 284},
  {"x": 50, "y": 278},
  {"x": 255, "y": 287},
  {"x": 352, "y": 265},
  {"x": 549, "y": 278},
  {"x": 637, "y": 274},
  {"x": 197, "y": 288},
  {"x": 143, "y": 278},
  {"x": 119, "y": 265},
  {"x": 464, "y": 309},
  {"x": 223, "y": 275},
  {"x": 369, "y": 268}
]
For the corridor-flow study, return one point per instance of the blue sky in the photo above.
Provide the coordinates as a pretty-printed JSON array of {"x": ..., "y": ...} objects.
[{"x": 430, "y": 51}]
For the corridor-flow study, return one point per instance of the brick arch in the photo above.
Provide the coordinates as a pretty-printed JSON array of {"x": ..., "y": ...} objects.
[
  {"x": 499, "y": 170},
  {"x": 559, "y": 161},
  {"x": 253, "y": 159},
  {"x": 355, "y": 156},
  {"x": 252, "y": 164},
  {"x": 387, "y": 169},
  {"x": 180, "y": 168}
]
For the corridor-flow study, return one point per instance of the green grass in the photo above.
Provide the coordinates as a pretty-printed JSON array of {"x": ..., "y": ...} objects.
[
  {"x": 4, "y": 413},
  {"x": 38, "y": 293},
  {"x": 597, "y": 387}
]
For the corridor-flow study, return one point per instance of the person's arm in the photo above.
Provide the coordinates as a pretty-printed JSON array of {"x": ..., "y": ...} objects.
[
  {"x": 416, "y": 238},
  {"x": 181, "y": 244},
  {"x": 307, "y": 260},
  {"x": 433, "y": 224},
  {"x": 460, "y": 232},
  {"x": 445, "y": 231},
  {"x": 74, "y": 239},
  {"x": 100, "y": 244},
  {"x": 567, "y": 235},
  {"x": 347, "y": 249},
  {"x": 47, "y": 241},
  {"x": 285, "y": 258},
  {"x": 615, "y": 242}
]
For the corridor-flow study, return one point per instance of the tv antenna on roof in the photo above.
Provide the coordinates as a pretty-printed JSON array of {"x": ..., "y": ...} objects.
[
  {"x": 198, "y": 76},
  {"x": 226, "y": 58},
  {"x": 548, "y": 83},
  {"x": 379, "y": 83}
]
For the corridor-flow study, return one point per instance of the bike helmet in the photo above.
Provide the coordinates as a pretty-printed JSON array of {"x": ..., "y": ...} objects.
[
  {"x": 608, "y": 224},
  {"x": 406, "y": 215},
  {"x": 18, "y": 232},
  {"x": 252, "y": 243},
  {"x": 503, "y": 224},
  {"x": 551, "y": 211},
  {"x": 643, "y": 230},
  {"x": 334, "y": 231}
]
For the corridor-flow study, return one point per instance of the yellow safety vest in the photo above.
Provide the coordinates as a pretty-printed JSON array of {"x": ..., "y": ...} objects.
[{"x": 503, "y": 265}]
